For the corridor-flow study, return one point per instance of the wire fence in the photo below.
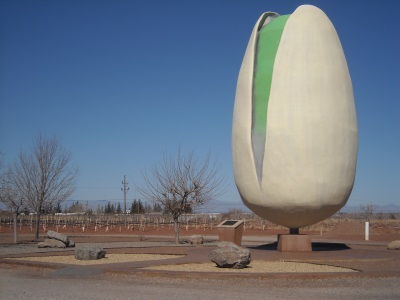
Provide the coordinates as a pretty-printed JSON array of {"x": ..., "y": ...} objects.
[{"x": 156, "y": 221}]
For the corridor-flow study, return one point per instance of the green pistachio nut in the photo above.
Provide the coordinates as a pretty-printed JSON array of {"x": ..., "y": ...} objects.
[{"x": 294, "y": 135}]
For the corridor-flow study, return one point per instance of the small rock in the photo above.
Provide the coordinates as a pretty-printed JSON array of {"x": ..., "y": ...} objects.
[
  {"x": 50, "y": 243},
  {"x": 394, "y": 245},
  {"x": 230, "y": 255},
  {"x": 89, "y": 253},
  {"x": 71, "y": 244},
  {"x": 58, "y": 236},
  {"x": 196, "y": 240}
]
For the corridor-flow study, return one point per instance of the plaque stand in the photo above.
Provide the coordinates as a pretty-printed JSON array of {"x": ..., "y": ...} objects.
[{"x": 231, "y": 231}]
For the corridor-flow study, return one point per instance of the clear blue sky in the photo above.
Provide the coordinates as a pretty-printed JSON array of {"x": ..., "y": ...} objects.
[{"x": 119, "y": 81}]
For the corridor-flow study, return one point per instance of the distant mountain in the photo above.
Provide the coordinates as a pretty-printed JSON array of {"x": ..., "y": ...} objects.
[
  {"x": 217, "y": 206},
  {"x": 386, "y": 208},
  {"x": 224, "y": 206},
  {"x": 389, "y": 208}
]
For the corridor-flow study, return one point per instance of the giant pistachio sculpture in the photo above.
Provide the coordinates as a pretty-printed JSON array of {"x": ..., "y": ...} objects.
[{"x": 294, "y": 137}]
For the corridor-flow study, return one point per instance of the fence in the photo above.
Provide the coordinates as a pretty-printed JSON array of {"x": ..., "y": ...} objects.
[{"x": 155, "y": 221}]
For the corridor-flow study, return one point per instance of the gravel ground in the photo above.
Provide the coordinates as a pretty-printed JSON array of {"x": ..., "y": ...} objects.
[
  {"x": 25, "y": 283},
  {"x": 256, "y": 266}
]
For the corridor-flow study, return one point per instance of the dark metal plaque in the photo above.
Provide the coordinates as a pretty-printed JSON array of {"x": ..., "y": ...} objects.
[{"x": 229, "y": 223}]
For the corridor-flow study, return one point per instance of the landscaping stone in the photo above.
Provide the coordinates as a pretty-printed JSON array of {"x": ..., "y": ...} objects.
[
  {"x": 51, "y": 243},
  {"x": 394, "y": 245},
  {"x": 58, "y": 236},
  {"x": 71, "y": 244},
  {"x": 43, "y": 245},
  {"x": 230, "y": 255},
  {"x": 89, "y": 253},
  {"x": 196, "y": 240}
]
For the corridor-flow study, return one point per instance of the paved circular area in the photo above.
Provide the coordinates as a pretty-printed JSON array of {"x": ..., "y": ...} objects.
[
  {"x": 16, "y": 249},
  {"x": 362, "y": 259}
]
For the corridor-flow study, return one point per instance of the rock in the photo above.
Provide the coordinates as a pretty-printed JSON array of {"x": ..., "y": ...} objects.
[
  {"x": 71, "y": 244},
  {"x": 89, "y": 253},
  {"x": 50, "y": 243},
  {"x": 196, "y": 240},
  {"x": 230, "y": 255},
  {"x": 43, "y": 245},
  {"x": 394, "y": 245},
  {"x": 58, "y": 236}
]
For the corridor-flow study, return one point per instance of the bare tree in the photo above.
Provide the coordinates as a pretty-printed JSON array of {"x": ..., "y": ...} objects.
[
  {"x": 182, "y": 183},
  {"x": 368, "y": 211},
  {"x": 13, "y": 200},
  {"x": 45, "y": 176}
]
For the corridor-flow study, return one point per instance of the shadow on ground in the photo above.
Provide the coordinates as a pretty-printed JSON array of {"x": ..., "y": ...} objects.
[{"x": 315, "y": 246}]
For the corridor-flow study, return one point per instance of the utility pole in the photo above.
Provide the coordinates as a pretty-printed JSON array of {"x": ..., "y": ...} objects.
[
  {"x": 86, "y": 214},
  {"x": 125, "y": 189}
]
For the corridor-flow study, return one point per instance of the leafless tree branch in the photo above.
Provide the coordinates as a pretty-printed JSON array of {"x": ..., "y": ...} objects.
[
  {"x": 182, "y": 183},
  {"x": 12, "y": 199},
  {"x": 45, "y": 176}
]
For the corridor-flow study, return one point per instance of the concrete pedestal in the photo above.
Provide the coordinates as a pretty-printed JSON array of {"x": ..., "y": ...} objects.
[{"x": 294, "y": 243}]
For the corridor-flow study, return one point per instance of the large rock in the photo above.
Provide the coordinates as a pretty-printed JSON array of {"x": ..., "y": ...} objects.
[
  {"x": 196, "y": 240},
  {"x": 394, "y": 245},
  {"x": 51, "y": 243},
  {"x": 71, "y": 244},
  {"x": 230, "y": 255},
  {"x": 89, "y": 253},
  {"x": 58, "y": 236}
]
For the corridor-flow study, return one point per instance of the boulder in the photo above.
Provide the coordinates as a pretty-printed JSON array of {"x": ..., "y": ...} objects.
[
  {"x": 196, "y": 240},
  {"x": 394, "y": 245},
  {"x": 230, "y": 255},
  {"x": 58, "y": 236},
  {"x": 89, "y": 253},
  {"x": 42, "y": 245},
  {"x": 50, "y": 243},
  {"x": 71, "y": 244}
]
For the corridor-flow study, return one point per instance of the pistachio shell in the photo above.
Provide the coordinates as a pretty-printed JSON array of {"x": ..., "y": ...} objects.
[{"x": 307, "y": 169}]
